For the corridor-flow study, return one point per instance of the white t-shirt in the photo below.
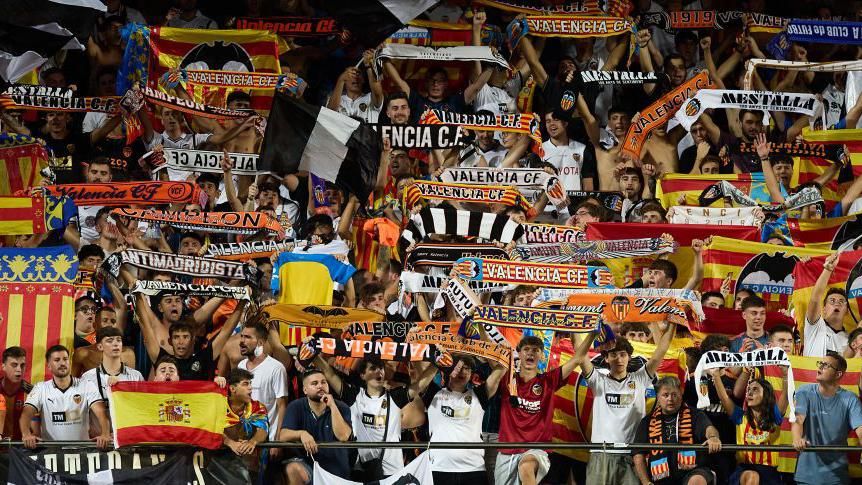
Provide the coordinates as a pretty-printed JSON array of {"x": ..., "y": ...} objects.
[
  {"x": 568, "y": 160},
  {"x": 361, "y": 107},
  {"x": 495, "y": 100},
  {"x": 87, "y": 223},
  {"x": 65, "y": 414},
  {"x": 455, "y": 417},
  {"x": 269, "y": 384},
  {"x": 97, "y": 376},
  {"x": 819, "y": 337},
  {"x": 618, "y": 406},
  {"x": 368, "y": 416},
  {"x": 186, "y": 141}
]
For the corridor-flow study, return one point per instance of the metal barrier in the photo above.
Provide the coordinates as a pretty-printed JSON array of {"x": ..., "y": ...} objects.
[{"x": 482, "y": 445}]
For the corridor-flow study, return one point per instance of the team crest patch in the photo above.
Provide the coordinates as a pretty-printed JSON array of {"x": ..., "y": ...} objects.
[
  {"x": 537, "y": 389},
  {"x": 468, "y": 399},
  {"x": 77, "y": 399},
  {"x": 384, "y": 404},
  {"x": 692, "y": 107},
  {"x": 632, "y": 385},
  {"x": 363, "y": 106},
  {"x": 576, "y": 157},
  {"x": 567, "y": 101}
]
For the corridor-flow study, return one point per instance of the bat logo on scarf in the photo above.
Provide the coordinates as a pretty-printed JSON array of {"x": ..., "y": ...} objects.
[{"x": 333, "y": 312}]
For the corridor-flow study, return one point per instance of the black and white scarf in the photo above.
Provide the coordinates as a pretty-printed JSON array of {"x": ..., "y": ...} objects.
[
  {"x": 423, "y": 137},
  {"x": 412, "y": 282},
  {"x": 517, "y": 177},
  {"x": 153, "y": 288},
  {"x": 183, "y": 265},
  {"x": 463, "y": 300},
  {"x": 591, "y": 250},
  {"x": 445, "y": 255},
  {"x": 765, "y": 101},
  {"x": 436, "y": 220},
  {"x": 207, "y": 161},
  {"x": 438, "y": 54}
]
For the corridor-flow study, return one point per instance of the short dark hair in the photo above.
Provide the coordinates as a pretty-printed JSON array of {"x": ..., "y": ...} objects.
[
  {"x": 834, "y": 291},
  {"x": 752, "y": 301},
  {"x": 714, "y": 341},
  {"x": 105, "y": 332},
  {"x": 364, "y": 364},
  {"x": 100, "y": 161},
  {"x": 88, "y": 250},
  {"x": 653, "y": 207},
  {"x": 620, "y": 109},
  {"x": 197, "y": 237},
  {"x": 61, "y": 348},
  {"x": 180, "y": 327},
  {"x": 392, "y": 97},
  {"x": 468, "y": 360},
  {"x": 666, "y": 266},
  {"x": 258, "y": 328},
  {"x": 208, "y": 177},
  {"x": 532, "y": 341},
  {"x": 667, "y": 381},
  {"x": 310, "y": 372},
  {"x": 238, "y": 375},
  {"x": 591, "y": 208},
  {"x": 620, "y": 344},
  {"x": 14, "y": 353},
  {"x": 634, "y": 327},
  {"x": 238, "y": 96},
  {"x": 165, "y": 359},
  {"x": 842, "y": 362},
  {"x": 710, "y": 294},
  {"x": 369, "y": 290},
  {"x": 435, "y": 70},
  {"x": 781, "y": 328},
  {"x": 756, "y": 113}
]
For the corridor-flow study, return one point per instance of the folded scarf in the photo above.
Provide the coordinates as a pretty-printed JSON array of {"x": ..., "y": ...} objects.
[
  {"x": 806, "y": 196},
  {"x": 462, "y": 300},
  {"x": 516, "y": 177},
  {"x": 538, "y": 274},
  {"x": 130, "y": 193},
  {"x": 179, "y": 264},
  {"x": 291, "y": 26},
  {"x": 548, "y": 233},
  {"x": 153, "y": 288},
  {"x": 477, "y": 194},
  {"x": 411, "y": 52},
  {"x": 817, "y": 31},
  {"x": 716, "y": 359},
  {"x": 524, "y": 123},
  {"x": 622, "y": 308},
  {"x": 580, "y": 321},
  {"x": 753, "y": 64},
  {"x": 369, "y": 349},
  {"x": 422, "y": 137},
  {"x": 244, "y": 223},
  {"x": 592, "y": 250},
  {"x": 436, "y": 220},
  {"x": 766, "y": 101},
  {"x": 576, "y": 26},
  {"x": 618, "y": 78},
  {"x": 688, "y": 298},
  {"x": 187, "y": 106},
  {"x": 207, "y": 161},
  {"x": 317, "y": 316},
  {"x": 733, "y": 216},
  {"x": 444, "y": 255},
  {"x": 455, "y": 344},
  {"x": 660, "y": 112},
  {"x": 411, "y": 282},
  {"x": 243, "y": 251},
  {"x": 44, "y": 98}
]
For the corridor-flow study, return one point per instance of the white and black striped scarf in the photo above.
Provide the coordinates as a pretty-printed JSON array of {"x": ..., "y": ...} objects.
[
  {"x": 445, "y": 255},
  {"x": 437, "y": 220},
  {"x": 412, "y": 282}
]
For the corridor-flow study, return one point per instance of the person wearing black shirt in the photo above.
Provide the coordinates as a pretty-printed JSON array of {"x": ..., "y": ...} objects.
[
  {"x": 436, "y": 86},
  {"x": 67, "y": 149}
]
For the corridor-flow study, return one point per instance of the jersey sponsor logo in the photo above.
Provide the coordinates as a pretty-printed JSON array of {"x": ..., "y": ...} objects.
[
  {"x": 451, "y": 412},
  {"x": 373, "y": 420},
  {"x": 58, "y": 417},
  {"x": 531, "y": 407},
  {"x": 447, "y": 411},
  {"x": 619, "y": 400}
]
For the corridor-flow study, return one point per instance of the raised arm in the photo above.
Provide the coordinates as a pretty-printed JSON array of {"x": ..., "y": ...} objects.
[
  {"x": 227, "y": 329},
  {"x": 662, "y": 345},
  {"x": 377, "y": 94},
  {"x": 224, "y": 136},
  {"x": 696, "y": 275},
  {"x": 582, "y": 350},
  {"x": 817, "y": 293},
  {"x": 532, "y": 58},
  {"x": 644, "y": 40},
  {"x": 726, "y": 402},
  {"x": 229, "y": 187},
  {"x": 395, "y": 77},
  {"x": 332, "y": 377}
]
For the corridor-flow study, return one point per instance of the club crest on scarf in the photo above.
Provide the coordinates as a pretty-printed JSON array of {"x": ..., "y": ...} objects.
[
  {"x": 621, "y": 306},
  {"x": 849, "y": 231},
  {"x": 692, "y": 107},
  {"x": 567, "y": 102},
  {"x": 853, "y": 287},
  {"x": 217, "y": 56}
]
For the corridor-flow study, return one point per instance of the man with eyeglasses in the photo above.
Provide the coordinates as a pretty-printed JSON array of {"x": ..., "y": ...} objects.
[
  {"x": 85, "y": 321},
  {"x": 825, "y": 414},
  {"x": 824, "y": 323}
]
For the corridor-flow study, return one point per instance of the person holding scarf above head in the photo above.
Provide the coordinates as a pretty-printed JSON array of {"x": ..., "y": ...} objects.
[{"x": 672, "y": 422}]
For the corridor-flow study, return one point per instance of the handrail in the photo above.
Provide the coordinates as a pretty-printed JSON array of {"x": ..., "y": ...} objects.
[{"x": 480, "y": 445}]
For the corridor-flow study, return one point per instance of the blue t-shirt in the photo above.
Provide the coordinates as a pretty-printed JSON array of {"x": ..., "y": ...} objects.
[
  {"x": 300, "y": 417},
  {"x": 739, "y": 340},
  {"x": 828, "y": 420}
]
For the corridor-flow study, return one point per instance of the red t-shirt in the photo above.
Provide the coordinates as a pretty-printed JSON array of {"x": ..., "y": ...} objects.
[
  {"x": 532, "y": 419},
  {"x": 14, "y": 407}
]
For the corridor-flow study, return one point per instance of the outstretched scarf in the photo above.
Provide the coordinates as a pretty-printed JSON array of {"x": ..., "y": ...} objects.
[
  {"x": 245, "y": 223},
  {"x": 576, "y": 26},
  {"x": 579, "y": 321},
  {"x": 549, "y": 233},
  {"x": 411, "y": 282},
  {"x": 186, "y": 106},
  {"x": 44, "y": 98},
  {"x": 688, "y": 298},
  {"x": 243, "y": 251},
  {"x": 524, "y": 123},
  {"x": 717, "y": 216},
  {"x": 208, "y": 161},
  {"x": 437, "y": 220},
  {"x": 444, "y": 255},
  {"x": 629, "y": 308},
  {"x": 516, "y": 177},
  {"x": 481, "y": 194},
  {"x": 179, "y": 264},
  {"x": 456, "y": 344},
  {"x": 592, "y": 250},
  {"x": 130, "y": 193},
  {"x": 153, "y": 288},
  {"x": 384, "y": 350},
  {"x": 539, "y": 274}
]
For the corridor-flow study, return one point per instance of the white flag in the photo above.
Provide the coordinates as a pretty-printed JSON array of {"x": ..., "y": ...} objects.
[{"x": 418, "y": 472}]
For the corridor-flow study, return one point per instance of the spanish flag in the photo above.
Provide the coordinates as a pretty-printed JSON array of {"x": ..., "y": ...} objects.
[
  {"x": 191, "y": 412},
  {"x": 847, "y": 276},
  {"x": 20, "y": 165},
  {"x": 672, "y": 185},
  {"x": 765, "y": 269},
  {"x": 805, "y": 372},
  {"x": 807, "y": 169},
  {"x": 215, "y": 50},
  {"x": 34, "y": 215},
  {"x": 627, "y": 270},
  {"x": 850, "y": 137},
  {"x": 828, "y": 233},
  {"x": 573, "y": 417}
]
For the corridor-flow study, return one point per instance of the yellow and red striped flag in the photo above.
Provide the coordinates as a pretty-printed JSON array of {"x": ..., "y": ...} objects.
[
  {"x": 850, "y": 137},
  {"x": 34, "y": 215},
  {"x": 847, "y": 276},
  {"x": 573, "y": 417},
  {"x": 805, "y": 372},
  {"x": 828, "y": 233},
  {"x": 192, "y": 412},
  {"x": 671, "y": 186},
  {"x": 37, "y": 302},
  {"x": 20, "y": 167},
  {"x": 765, "y": 269},
  {"x": 215, "y": 50}
]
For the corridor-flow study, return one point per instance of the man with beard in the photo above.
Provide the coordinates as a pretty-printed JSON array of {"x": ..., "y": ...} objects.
[
  {"x": 620, "y": 402},
  {"x": 824, "y": 319},
  {"x": 672, "y": 422},
  {"x": 317, "y": 418},
  {"x": 573, "y": 160},
  {"x": 14, "y": 388},
  {"x": 64, "y": 402},
  {"x": 270, "y": 377}
]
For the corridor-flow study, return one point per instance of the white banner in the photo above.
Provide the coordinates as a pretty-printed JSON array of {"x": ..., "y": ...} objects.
[
  {"x": 418, "y": 472},
  {"x": 210, "y": 162},
  {"x": 731, "y": 216},
  {"x": 765, "y": 101}
]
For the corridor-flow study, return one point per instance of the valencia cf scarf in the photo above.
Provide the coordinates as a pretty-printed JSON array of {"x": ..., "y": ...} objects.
[
  {"x": 244, "y": 223},
  {"x": 179, "y": 264},
  {"x": 713, "y": 20},
  {"x": 410, "y": 52},
  {"x": 593, "y": 250},
  {"x": 208, "y": 161},
  {"x": 153, "y": 288},
  {"x": 444, "y": 255},
  {"x": 422, "y": 137},
  {"x": 478, "y": 194},
  {"x": 44, "y": 98},
  {"x": 190, "y": 107},
  {"x": 576, "y": 26},
  {"x": 396, "y": 331},
  {"x": 524, "y": 123},
  {"x": 239, "y": 79},
  {"x": 659, "y": 468},
  {"x": 716, "y": 359},
  {"x": 689, "y": 299},
  {"x": 130, "y": 193},
  {"x": 539, "y": 274},
  {"x": 548, "y": 233},
  {"x": 516, "y": 177},
  {"x": 411, "y": 282},
  {"x": 437, "y": 220},
  {"x": 618, "y": 78},
  {"x": 621, "y": 308},
  {"x": 291, "y": 26},
  {"x": 581, "y": 7},
  {"x": 243, "y": 251},
  {"x": 317, "y": 316},
  {"x": 805, "y": 197},
  {"x": 383, "y": 350},
  {"x": 580, "y": 321},
  {"x": 765, "y": 101},
  {"x": 456, "y": 344},
  {"x": 795, "y": 149}
]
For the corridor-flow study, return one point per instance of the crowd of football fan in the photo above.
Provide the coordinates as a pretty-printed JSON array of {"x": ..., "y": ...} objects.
[{"x": 119, "y": 337}]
